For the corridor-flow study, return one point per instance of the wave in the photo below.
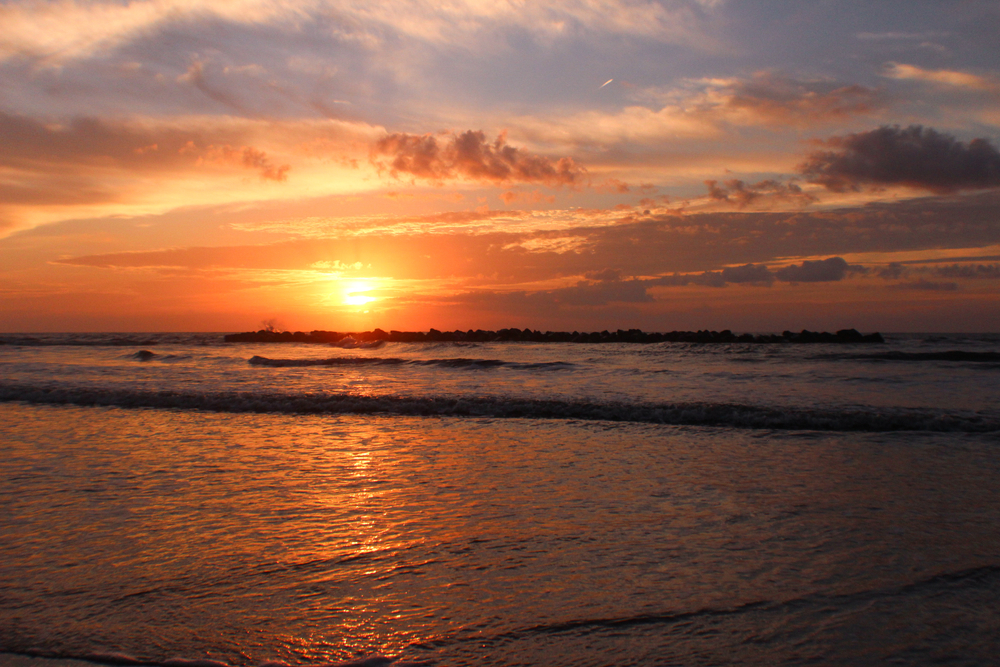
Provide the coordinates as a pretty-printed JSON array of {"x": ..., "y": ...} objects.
[
  {"x": 125, "y": 339},
  {"x": 934, "y": 586},
  {"x": 147, "y": 355},
  {"x": 125, "y": 660},
  {"x": 499, "y": 407},
  {"x": 950, "y": 355},
  {"x": 394, "y": 361},
  {"x": 973, "y": 577},
  {"x": 70, "y": 341},
  {"x": 350, "y": 343}
]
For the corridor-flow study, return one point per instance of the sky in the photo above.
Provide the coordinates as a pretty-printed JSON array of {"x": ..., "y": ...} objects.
[{"x": 175, "y": 165}]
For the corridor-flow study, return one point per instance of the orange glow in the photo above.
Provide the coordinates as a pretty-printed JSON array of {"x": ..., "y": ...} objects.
[{"x": 355, "y": 294}]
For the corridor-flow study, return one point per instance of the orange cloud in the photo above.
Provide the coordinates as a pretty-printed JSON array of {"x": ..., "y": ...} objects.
[
  {"x": 247, "y": 156},
  {"x": 470, "y": 156},
  {"x": 52, "y": 169},
  {"x": 535, "y": 197},
  {"x": 942, "y": 76}
]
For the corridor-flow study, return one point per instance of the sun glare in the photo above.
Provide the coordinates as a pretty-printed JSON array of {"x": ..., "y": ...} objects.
[{"x": 355, "y": 294}]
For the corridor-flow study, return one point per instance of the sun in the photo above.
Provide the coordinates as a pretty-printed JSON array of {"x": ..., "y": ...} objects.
[{"x": 354, "y": 294}]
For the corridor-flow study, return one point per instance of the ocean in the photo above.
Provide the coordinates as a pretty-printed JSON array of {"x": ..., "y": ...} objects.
[{"x": 172, "y": 499}]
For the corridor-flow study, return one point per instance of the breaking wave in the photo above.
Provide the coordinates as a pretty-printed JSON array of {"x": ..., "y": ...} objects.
[
  {"x": 125, "y": 660},
  {"x": 394, "y": 361},
  {"x": 500, "y": 407},
  {"x": 971, "y": 578}
]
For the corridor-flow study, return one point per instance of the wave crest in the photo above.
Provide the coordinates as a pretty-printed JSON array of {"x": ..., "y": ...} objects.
[
  {"x": 459, "y": 362},
  {"x": 679, "y": 414}
]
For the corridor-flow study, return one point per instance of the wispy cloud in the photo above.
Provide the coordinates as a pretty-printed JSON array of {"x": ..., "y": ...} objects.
[
  {"x": 471, "y": 156},
  {"x": 71, "y": 29},
  {"x": 79, "y": 165},
  {"x": 946, "y": 77},
  {"x": 704, "y": 110}
]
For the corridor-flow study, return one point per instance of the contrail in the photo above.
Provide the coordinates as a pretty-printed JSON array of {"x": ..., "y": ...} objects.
[{"x": 606, "y": 83}]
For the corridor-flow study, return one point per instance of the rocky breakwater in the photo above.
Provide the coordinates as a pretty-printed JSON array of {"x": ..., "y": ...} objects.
[{"x": 527, "y": 335}]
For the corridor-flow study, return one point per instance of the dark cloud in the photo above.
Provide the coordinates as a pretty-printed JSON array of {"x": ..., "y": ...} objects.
[
  {"x": 610, "y": 289},
  {"x": 748, "y": 273},
  {"x": 927, "y": 285},
  {"x": 915, "y": 156},
  {"x": 744, "y": 194},
  {"x": 819, "y": 271},
  {"x": 606, "y": 274},
  {"x": 602, "y": 293},
  {"x": 827, "y": 270},
  {"x": 469, "y": 155},
  {"x": 705, "y": 278},
  {"x": 892, "y": 271},
  {"x": 981, "y": 271}
]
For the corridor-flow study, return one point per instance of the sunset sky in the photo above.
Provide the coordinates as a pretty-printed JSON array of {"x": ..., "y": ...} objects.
[{"x": 561, "y": 165}]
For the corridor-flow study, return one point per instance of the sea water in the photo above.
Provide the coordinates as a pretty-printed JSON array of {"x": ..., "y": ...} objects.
[{"x": 499, "y": 503}]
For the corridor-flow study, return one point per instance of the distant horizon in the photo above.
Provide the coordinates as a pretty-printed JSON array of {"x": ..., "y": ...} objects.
[{"x": 466, "y": 329}]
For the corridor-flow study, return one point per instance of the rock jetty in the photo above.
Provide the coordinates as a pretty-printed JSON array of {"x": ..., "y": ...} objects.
[{"x": 527, "y": 335}]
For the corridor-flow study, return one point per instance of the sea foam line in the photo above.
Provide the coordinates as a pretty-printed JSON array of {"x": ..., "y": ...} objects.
[
  {"x": 680, "y": 414},
  {"x": 458, "y": 362},
  {"x": 973, "y": 577},
  {"x": 895, "y": 355},
  {"x": 125, "y": 660}
]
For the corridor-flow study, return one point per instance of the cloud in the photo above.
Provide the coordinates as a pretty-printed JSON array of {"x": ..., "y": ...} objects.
[
  {"x": 135, "y": 146},
  {"x": 703, "y": 109},
  {"x": 60, "y": 31},
  {"x": 974, "y": 271},
  {"x": 470, "y": 156},
  {"x": 601, "y": 293},
  {"x": 246, "y": 156},
  {"x": 59, "y": 168},
  {"x": 771, "y": 97},
  {"x": 819, "y": 271},
  {"x": 892, "y": 271},
  {"x": 927, "y": 285},
  {"x": 64, "y": 30},
  {"x": 610, "y": 288},
  {"x": 743, "y": 194},
  {"x": 195, "y": 76},
  {"x": 880, "y": 36},
  {"x": 711, "y": 249},
  {"x": 916, "y": 157},
  {"x": 942, "y": 76},
  {"x": 832, "y": 269},
  {"x": 534, "y": 197},
  {"x": 748, "y": 273}
]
